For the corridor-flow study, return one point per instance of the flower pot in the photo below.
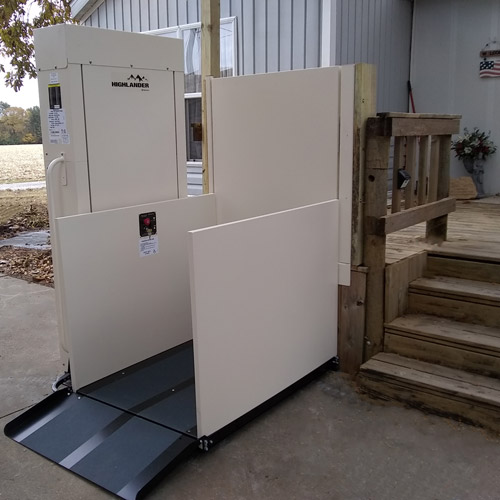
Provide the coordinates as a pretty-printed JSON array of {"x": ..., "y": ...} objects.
[
  {"x": 469, "y": 165},
  {"x": 475, "y": 168}
]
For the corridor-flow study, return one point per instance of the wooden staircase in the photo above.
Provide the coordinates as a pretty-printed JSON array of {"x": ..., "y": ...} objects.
[{"x": 443, "y": 354}]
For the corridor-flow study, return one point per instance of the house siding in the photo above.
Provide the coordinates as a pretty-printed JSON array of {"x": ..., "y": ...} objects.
[
  {"x": 378, "y": 32},
  {"x": 278, "y": 35},
  {"x": 445, "y": 69},
  {"x": 271, "y": 35}
]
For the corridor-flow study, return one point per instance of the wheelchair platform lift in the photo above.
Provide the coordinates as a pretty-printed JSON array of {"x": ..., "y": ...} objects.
[{"x": 181, "y": 318}]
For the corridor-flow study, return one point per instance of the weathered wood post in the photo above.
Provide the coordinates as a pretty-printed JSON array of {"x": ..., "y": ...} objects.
[
  {"x": 365, "y": 102},
  {"x": 376, "y": 179},
  {"x": 436, "y": 229},
  {"x": 210, "y": 66},
  {"x": 352, "y": 299}
]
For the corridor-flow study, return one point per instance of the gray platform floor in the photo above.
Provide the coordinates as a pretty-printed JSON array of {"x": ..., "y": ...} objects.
[{"x": 325, "y": 442}]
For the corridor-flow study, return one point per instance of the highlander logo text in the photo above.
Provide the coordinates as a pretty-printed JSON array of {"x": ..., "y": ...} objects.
[{"x": 136, "y": 81}]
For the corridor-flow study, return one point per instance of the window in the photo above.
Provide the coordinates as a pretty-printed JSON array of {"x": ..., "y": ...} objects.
[
  {"x": 193, "y": 128},
  {"x": 191, "y": 35},
  {"x": 192, "y": 60}
]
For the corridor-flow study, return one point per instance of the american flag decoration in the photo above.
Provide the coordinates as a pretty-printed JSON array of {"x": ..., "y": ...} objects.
[{"x": 489, "y": 68}]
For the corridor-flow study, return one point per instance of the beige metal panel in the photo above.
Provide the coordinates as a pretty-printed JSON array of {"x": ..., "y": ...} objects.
[
  {"x": 180, "y": 124},
  {"x": 264, "y": 299},
  {"x": 344, "y": 274},
  {"x": 72, "y": 196},
  {"x": 131, "y": 138},
  {"x": 111, "y": 120},
  {"x": 121, "y": 308},
  {"x": 275, "y": 141},
  {"x": 69, "y": 43},
  {"x": 50, "y": 47},
  {"x": 346, "y": 146}
]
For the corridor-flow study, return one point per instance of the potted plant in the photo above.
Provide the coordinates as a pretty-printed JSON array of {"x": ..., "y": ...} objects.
[{"x": 473, "y": 148}]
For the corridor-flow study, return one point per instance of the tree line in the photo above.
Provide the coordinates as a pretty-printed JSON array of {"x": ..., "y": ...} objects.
[{"x": 19, "y": 126}]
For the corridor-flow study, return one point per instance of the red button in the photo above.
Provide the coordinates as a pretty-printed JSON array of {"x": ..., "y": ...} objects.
[{"x": 147, "y": 221}]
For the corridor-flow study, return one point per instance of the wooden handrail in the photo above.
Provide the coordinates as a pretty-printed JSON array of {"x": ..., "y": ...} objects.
[
  {"x": 391, "y": 223},
  {"x": 421, "y": 148},
  {"x": 411, "y": 125}
]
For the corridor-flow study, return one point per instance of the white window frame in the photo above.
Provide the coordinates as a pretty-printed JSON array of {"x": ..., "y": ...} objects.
[{"x": 178, "y": 31}]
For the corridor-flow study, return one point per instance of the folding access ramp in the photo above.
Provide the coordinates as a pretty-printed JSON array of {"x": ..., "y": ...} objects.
[
  {"x": 123, "y": 432},
  {"x": 251, "y": 343},
  {"x": 125, "y": 450},
  {"x": 227, "y": 305}
]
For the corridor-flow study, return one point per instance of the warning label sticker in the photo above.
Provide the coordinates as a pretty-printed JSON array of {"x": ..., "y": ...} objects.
[
  {"x": 148, "y": 245},
  {"x": 58, "y": 133}
]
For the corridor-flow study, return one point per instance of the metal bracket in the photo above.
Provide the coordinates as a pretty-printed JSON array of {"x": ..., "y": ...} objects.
[
  {"x": 335, "y": 363},
  {"x": 205, "y": 444},
  {"x": 63, "y": 379}
]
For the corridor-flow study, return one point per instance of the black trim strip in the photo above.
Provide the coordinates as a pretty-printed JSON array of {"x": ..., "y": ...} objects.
[{"x": 209, "y": 441}]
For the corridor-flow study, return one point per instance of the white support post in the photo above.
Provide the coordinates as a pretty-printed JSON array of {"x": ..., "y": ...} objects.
[{"x": 328, "y": 32}]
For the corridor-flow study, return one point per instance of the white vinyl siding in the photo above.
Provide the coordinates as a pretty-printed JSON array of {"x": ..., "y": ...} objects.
[
  {"x": 378, "y": 32},
  {"x": 273, "y": 35}
]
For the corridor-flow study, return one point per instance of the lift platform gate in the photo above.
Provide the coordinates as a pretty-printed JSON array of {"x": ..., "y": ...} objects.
[{"x": 184, "y": 317}]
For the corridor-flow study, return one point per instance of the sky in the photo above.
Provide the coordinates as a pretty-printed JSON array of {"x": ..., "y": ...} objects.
[{"x": 26, "y": 98}]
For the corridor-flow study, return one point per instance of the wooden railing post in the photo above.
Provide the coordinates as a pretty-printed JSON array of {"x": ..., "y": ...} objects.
[
  {"x": 436, "y": 229},
  {"x": 411, "y": 168},
  {"x": 397, "y": 163},
  {"x": 352, "y": 299},
  {"x": 423, "y": 158},
  {"x": 364, "y": 107},
  {"x": 376, "y": 165},
  {"x": 210, "y": 66},
  {"x": 432, "y": 194}
]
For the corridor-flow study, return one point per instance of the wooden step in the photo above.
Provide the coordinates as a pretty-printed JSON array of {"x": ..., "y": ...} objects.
[
  {"x": 483, "y": 251},
  {"x": 464, "y": 300},
  {"x": 438, "y": 389},
  {"x": 478, "y": 270},
  {"x": 465, "y": 346}
]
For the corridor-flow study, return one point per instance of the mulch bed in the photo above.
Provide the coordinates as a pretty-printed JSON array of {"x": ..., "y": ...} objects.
[
  {"x": 30, "y": 265},
  {"x": 27, "y": 264}
]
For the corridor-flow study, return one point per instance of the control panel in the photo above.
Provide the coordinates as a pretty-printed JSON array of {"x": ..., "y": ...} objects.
[{"x": 147, "y": 224}]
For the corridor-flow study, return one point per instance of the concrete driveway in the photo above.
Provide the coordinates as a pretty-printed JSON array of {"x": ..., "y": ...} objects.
[{"x": 325, "y": 442}]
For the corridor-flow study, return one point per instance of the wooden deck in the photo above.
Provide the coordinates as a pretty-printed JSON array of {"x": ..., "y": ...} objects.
[{"x": 474, "y": 229}]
